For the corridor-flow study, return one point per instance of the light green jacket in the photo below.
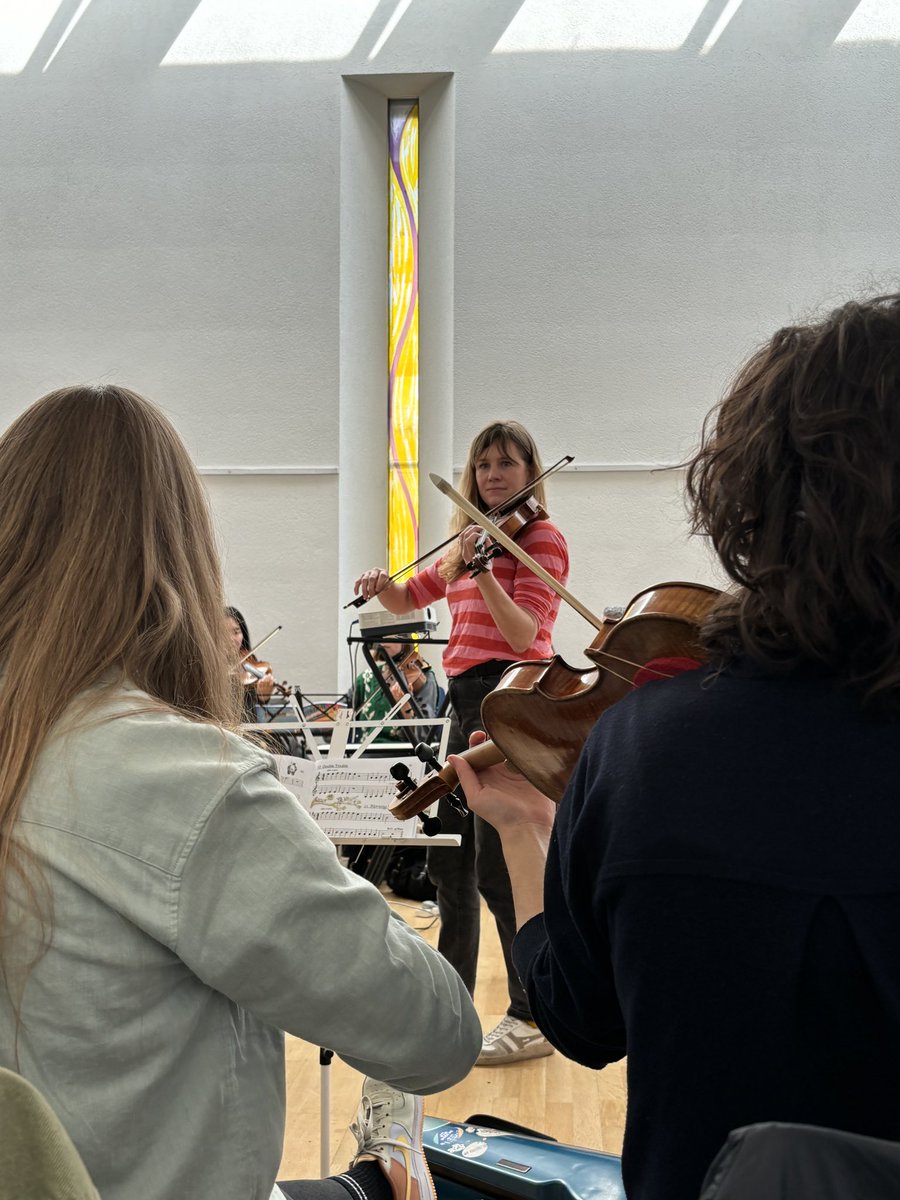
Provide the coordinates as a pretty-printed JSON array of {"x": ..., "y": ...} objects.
[{"x": 198, "y": 912}]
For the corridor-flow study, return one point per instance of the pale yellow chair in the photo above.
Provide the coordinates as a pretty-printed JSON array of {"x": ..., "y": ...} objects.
[{"x": 37, "y": 1158}]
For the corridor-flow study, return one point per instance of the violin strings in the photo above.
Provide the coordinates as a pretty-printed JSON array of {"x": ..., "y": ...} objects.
[{"x": 628, "y": 663}]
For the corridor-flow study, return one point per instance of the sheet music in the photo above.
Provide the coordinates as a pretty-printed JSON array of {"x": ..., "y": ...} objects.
[{"x": 348, "y": 799}]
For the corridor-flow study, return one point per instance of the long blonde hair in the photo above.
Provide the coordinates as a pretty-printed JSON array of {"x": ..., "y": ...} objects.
[
  {"x": 108, "y": 573},
  {"x": 498, "y": 433}
]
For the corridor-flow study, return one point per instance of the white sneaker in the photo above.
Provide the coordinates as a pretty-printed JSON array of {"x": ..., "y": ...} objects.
[
  {"x": 388, "y": 1127},
  {"x": 512, "y": 1041}
]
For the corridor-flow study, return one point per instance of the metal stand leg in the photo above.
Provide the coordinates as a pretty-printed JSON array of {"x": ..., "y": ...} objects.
[
  {"x": 325, "y": 1057},
  {"x": 377, "y": 866}
]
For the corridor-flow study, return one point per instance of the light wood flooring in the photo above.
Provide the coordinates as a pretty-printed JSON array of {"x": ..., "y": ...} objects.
[{"x": 553, "y": 1095}]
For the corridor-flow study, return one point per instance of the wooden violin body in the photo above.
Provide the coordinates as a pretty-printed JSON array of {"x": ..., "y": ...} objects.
[
  {"x": 412, "y": 666},
  {"x": 256, "y": 675},
  {"x": 254, "y": 670},
  {"x": 541, "y": 712},
  {"x": 511, "y": 521},
  {"x": 514, "y": 520}
]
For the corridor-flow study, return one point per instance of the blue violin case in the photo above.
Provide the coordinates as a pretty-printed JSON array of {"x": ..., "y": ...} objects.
[{"x": 484, "y": 1159}]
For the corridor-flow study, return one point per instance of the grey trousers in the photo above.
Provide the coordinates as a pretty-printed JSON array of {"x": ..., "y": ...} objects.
[{"x": 477, "y": 865}]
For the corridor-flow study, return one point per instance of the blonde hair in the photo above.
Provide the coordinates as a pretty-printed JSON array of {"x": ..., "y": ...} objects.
[
  {"x": 499, "y": 433},
  {"x": 108, "y": 573}
]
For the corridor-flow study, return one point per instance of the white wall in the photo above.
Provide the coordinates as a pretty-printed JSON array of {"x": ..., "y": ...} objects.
[{"x": 625, "y": 218}]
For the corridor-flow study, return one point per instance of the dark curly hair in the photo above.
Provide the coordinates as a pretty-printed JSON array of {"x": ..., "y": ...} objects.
[{"x": 797, "y": 484}]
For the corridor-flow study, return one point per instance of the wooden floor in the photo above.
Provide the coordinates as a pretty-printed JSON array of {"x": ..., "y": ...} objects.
[{"x": 550, "y": 1094}]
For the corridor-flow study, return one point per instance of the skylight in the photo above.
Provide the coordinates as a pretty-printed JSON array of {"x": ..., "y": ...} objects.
[
  {"x": 604, "y": 25},
  {"x": 233, "y": 31}
]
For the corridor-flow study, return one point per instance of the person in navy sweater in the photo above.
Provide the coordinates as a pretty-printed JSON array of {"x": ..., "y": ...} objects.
[{"x": 721, "y": 883}]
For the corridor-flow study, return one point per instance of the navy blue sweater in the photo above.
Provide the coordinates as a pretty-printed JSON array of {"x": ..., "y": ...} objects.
[{"x": 722, "y": 900}]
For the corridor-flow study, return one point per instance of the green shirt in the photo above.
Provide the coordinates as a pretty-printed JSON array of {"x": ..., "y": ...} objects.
[{"x": 371, "y": 704}]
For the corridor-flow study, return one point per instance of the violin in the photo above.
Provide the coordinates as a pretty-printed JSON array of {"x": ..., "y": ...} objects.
[
  {"x": 541, "y": 712},
  {"x": 511, "y": 519},
  {"x": 412, "y": 666},
  {"x": 257, "y": 673}
]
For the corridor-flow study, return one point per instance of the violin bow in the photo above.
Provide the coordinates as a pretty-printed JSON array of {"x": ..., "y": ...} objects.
[
  {"x": 262, "y": 642},
  {"x": 359, "y": 601},
  {"x": 516, "y": 551}
]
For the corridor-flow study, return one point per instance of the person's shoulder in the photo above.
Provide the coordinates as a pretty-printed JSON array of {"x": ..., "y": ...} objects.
[
  {"x": 542, "y": 525},
  {"x": 133, "y": 743},
  {"x": 133, "y": 716},
  {"x": 131, "y": 776},
  {"x": 654, "y": 708}
]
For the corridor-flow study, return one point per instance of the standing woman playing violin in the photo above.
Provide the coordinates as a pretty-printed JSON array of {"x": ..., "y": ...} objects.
[{"x": 500, "y": 616}]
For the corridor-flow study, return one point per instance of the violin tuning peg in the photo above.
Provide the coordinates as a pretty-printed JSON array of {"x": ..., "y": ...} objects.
[
  {"x": 431, "y": 825},
  {"x": 401, "y": 776},
  {"x": 425, "y": 754}
]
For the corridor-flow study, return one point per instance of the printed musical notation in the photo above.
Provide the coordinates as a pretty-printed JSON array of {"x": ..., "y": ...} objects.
[{"x": 349, "y": 799}]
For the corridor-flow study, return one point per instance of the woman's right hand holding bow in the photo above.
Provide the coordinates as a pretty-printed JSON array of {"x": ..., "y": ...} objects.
[{"x": 376, "y": 582}]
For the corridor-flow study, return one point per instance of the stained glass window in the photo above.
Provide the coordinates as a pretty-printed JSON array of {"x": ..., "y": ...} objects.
[{"x": 403, "y": 340}]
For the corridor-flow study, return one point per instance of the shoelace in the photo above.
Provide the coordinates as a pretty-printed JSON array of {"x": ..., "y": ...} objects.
[
  {"x": 375, "y": 1124},
  {"x": 379, "y": 1111},
  {"x": 364, "y": 1147},
  {"x": 506, "y": 1026}
]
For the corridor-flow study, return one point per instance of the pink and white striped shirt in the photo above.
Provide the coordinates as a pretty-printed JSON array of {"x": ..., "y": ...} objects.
[{"x": 474, "y": 638}]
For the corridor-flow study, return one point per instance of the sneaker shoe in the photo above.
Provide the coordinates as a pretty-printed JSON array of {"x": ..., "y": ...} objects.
[
  {"x": 512, "y": 1041},
  {"x": 388, "y": 1127}
]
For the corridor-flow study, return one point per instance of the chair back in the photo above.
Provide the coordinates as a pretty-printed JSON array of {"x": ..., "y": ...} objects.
[
  {"x": 37, "y": 1157},
  {"x": 802, "y": 1162}
]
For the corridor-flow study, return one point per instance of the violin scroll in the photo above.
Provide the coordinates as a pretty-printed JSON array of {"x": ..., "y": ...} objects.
[{"x": 411, "y": 803}]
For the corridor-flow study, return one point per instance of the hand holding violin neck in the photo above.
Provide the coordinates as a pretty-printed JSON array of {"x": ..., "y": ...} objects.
[
  {"x": 483, "y": 558},
  {"x": 410, "y": 804}
]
